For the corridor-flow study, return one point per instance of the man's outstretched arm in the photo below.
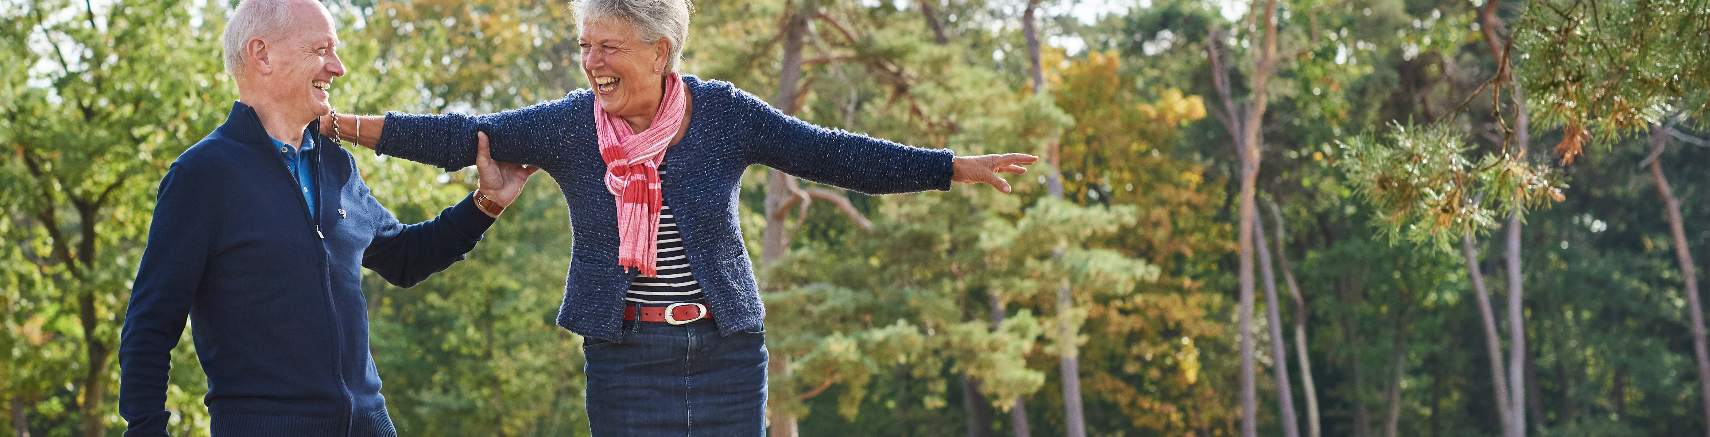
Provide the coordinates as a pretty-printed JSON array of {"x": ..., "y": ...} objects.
[{"x": 407, "y": 254}]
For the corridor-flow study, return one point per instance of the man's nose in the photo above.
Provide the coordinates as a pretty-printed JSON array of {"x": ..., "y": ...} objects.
[{"x": 336, "y": 67}]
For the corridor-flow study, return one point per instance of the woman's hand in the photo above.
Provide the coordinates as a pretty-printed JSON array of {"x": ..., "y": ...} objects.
[
  {"x": 500, "y": 181},
  {"x": 984, "y": 168}
]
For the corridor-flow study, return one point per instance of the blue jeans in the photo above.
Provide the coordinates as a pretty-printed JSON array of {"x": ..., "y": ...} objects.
[{"x": 683, "y": 380}]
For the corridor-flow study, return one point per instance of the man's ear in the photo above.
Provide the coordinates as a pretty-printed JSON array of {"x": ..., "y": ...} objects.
[{"x": 257, "y": 52}]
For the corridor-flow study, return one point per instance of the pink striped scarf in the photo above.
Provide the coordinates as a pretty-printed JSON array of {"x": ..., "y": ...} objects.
[{"x": 632, "y": 174}]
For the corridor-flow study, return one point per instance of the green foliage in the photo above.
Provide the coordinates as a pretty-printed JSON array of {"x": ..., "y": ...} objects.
[
  {"x": 90, "y": 121},
  {"x": 882, "y": 326},
  {"x": 1427, "y": 191},
  {"x": 1614, "y": 67}
]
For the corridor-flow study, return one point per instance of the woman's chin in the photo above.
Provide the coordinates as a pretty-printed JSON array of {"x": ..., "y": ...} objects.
[{"x": 608, "y": 104}]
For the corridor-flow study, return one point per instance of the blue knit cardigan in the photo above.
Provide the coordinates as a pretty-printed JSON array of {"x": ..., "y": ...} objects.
[
  {"x": 274, "y": 293},
  {"x": 729, "y": 129}
]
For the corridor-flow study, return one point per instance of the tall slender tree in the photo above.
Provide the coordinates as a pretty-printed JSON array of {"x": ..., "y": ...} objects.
[
  {"x": 1308, "y": 388},
  {"x": 1279, "y": 348},
  {"x": 1492, "y": 340},
  {"x": 1518, "y": 142},
  {"x": 1683, "y": 252},
  {"x": 1243, "y": 123}
]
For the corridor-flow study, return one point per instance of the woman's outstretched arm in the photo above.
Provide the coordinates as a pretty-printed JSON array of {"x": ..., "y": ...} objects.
[
  {"x": 522, "y": 136},
  {"x": 862, "y": 163}
]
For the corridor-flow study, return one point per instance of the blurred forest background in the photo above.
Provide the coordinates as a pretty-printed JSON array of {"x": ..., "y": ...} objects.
[{"x": 1149, "y": 278}]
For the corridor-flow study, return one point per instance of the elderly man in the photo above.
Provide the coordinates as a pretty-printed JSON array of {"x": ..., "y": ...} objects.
[{"x": 259, "y": 236}]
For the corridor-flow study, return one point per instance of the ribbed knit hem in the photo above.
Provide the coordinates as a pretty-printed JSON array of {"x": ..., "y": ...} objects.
[
  {"x": 261, "y": 425},
  {"x": 373, "y": 424}
]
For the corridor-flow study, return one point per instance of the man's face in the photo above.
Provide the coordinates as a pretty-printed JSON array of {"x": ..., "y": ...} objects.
[{"x": 304, "y": 63}]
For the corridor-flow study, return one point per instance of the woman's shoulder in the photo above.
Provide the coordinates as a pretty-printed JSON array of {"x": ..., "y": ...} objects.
[
  {"x": 719, "y": 94},
  {"x": 580, "y": 98}
]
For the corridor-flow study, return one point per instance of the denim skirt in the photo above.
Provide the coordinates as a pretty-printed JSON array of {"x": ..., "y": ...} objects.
[{"x": 677, "y": 380}]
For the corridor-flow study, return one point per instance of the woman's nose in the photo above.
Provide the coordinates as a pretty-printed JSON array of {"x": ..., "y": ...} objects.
[{"x": 591, "y": 58}]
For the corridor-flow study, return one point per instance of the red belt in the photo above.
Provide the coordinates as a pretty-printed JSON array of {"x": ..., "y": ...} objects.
[{"x": 676, "y": 314}]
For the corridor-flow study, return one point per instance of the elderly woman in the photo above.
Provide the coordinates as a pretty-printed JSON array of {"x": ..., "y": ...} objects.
[{"x": 650, "y": 163}]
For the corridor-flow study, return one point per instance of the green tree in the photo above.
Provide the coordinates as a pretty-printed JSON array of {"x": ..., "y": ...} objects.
[{"x": 91, "y": 122}]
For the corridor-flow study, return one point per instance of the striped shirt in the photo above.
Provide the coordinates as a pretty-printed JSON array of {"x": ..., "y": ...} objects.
[{"x": 674, "y": 283}]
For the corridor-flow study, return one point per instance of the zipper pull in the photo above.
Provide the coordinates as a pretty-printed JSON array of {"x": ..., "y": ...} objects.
[{"x": 318, "y": 232}]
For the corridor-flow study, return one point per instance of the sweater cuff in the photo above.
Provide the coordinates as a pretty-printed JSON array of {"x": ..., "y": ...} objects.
[
  {"x": 468, "y": 219},
  {"x": 945, "y": 172}
]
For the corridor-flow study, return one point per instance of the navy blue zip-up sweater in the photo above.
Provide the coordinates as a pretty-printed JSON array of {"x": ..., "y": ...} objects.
[
  {"x": 273, "y": 295},
  {"x": 728, "y": 130}
]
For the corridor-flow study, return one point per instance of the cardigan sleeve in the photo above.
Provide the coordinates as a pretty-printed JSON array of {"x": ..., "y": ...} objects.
[
  {"x": 161, "y": 298},
  {"x": 836, "y": 157},
  {"x": 524, "y": 136},
  {"x": 405, "y": 255}
]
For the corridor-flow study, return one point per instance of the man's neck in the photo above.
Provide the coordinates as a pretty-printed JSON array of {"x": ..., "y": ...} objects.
[{"x": 286, "y": 129}]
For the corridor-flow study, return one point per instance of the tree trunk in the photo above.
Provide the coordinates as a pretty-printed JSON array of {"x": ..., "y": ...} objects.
[
  {"x": 1307, "y": 386},
  {"x": 1069, "y": 360},
  {"x": 93, "y": 408},
  {"x": 1279, "y": 351},
  {"x": 1031, "y": 31},
  {"x": 1688, "y": 270},
  {"x": 979, "y": 411},
  {"x": 775, "y": 239},
  {"x": 1075, "y": 424},
  {"x": 1017, "y": 412},
  {"x": 1492, "y": 340},
  {"x": 1246, "y": 125},
  {"x": 20, "y": 417},
  {"x": 1489, "y": 24},
  {"x": 926, "y": 10},
  {"x": 1392, "y": 393},
  {"x": 1516, "y": 333}
]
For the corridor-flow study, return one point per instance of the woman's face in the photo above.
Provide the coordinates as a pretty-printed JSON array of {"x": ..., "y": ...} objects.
[{"x": 625, "y": 71}]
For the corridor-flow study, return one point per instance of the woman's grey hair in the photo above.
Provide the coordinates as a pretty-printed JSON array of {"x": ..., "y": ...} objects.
[
  {"x": 652, "y": 20},
  {"x": 265, "y": 19}
]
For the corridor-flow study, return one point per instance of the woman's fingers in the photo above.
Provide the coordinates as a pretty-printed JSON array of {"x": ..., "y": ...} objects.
[
  {"x": 1017, "y": 159},
  {"x": 1012, "y": 168},
  {"x": 996, "y": 182}
]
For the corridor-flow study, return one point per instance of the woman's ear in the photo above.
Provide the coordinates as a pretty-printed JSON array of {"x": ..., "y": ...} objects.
[
  {"x": 257, "y": 59},
  {"x": 661, "y": 54}
]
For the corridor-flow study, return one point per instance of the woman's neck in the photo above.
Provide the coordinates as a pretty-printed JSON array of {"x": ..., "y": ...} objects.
[{"x": 644, "y": 120}]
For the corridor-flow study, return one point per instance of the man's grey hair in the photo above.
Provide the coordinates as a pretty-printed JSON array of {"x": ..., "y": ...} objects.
[
  {"x": 652, "y": 20},
  {"x": 251, "y": 19}
]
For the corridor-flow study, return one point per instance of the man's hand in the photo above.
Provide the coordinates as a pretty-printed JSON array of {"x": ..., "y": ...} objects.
[
  {"x": 500, "y": 181},
  {"x": 984, "y": 168}
]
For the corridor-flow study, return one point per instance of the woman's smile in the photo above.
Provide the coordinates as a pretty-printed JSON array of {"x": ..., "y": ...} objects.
[{"x": 606, "y": 84}]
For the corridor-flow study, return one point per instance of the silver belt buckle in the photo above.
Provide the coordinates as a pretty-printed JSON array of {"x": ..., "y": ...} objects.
[{"x": 671, "y": 316}]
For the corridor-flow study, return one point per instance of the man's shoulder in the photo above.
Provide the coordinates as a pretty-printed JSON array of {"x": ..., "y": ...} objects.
[{"x": 207, "y": 157}]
